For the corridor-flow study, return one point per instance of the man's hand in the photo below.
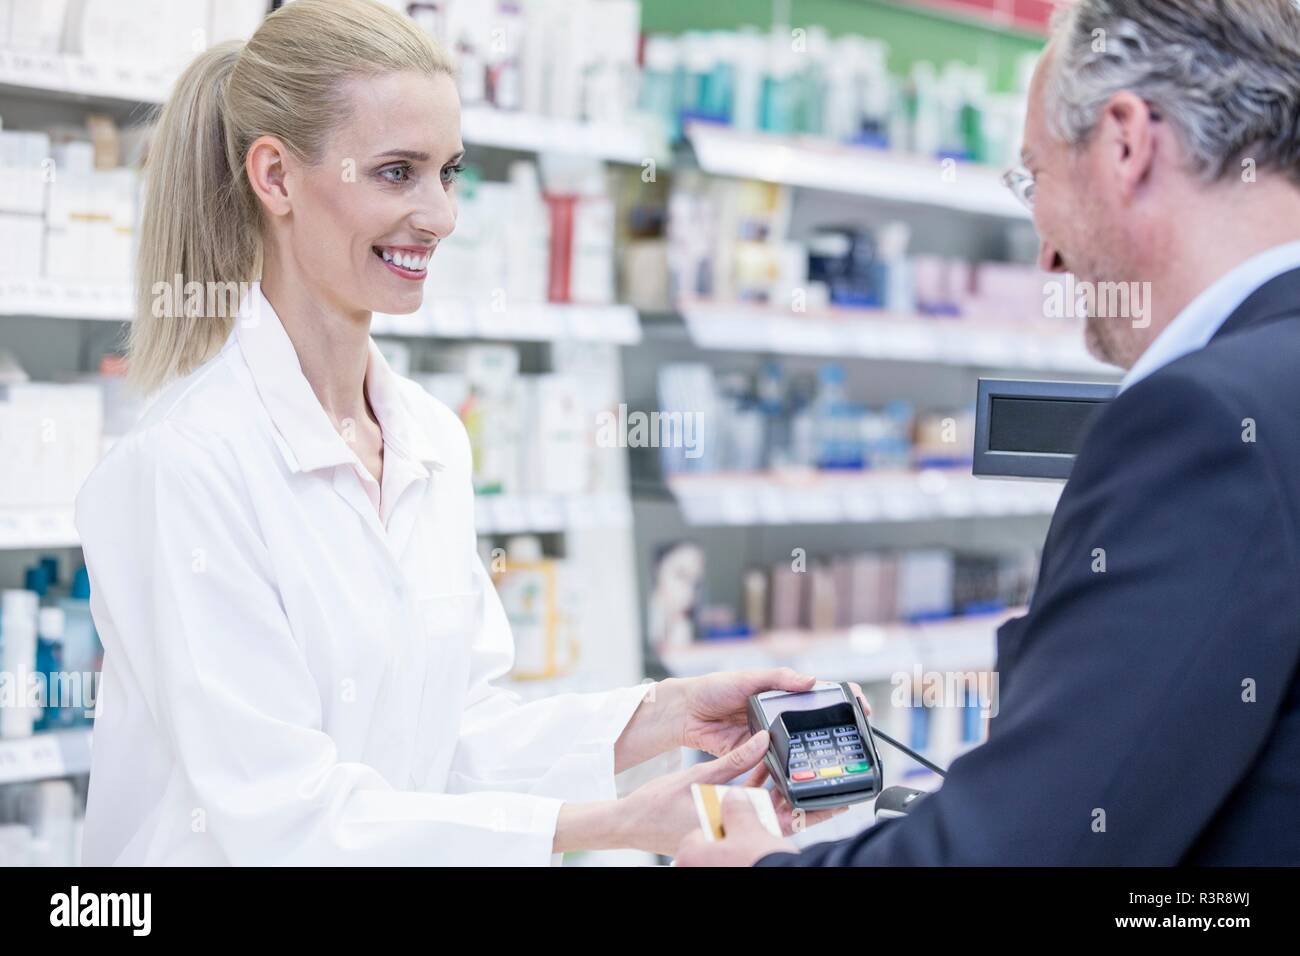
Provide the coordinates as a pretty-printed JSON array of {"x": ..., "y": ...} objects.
[{"x": 745, "y": 840}]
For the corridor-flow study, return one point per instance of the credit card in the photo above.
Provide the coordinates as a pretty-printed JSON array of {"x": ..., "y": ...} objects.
[{"x": 708, "y": 805}]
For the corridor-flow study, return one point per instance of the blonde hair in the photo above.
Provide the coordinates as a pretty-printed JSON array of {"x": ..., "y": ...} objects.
[{"x": 201, "y": 221}]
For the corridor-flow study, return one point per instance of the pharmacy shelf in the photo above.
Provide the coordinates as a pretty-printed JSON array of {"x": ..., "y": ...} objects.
[
  {"x": 519, "y": 322},
  {"x": 37, "y": 528},
  {"x": 54, "y": 75},
  {"x": 629, "y": 142},
  {"x": 856, "y": 170},
  {"x": 516, "y": 514},
  {"x": 541, "y": 321},
  {"x": 1038, "y": 344},
  {"x": 62, "y": 753},
  {"x": 494, "y": 514},
  {"x": 857, "y": 497},
  {"x": 863, "y": 653},
  {"x": 66, "y": 299},
  {"x": 76, "y": 78}
]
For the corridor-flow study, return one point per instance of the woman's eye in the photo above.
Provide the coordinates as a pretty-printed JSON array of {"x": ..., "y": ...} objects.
[
  {"x": 450, "y": 173},
  {"x": 396, "y": 174}
]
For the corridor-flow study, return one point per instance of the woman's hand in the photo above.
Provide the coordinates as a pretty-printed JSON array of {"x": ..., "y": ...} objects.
[
  {"x": 715, "y": 708},
  {"x": 708, "y": 713},
  {"x": 705, "y": 713},
  {"x": 659, "y": 815}
]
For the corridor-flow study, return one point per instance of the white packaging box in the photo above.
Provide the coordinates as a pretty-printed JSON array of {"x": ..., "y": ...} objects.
[
  {"x": 22, "y": 190},
  {"x": 557, "y": 453},
  {"x": 51, "y": 441},
  {"x": 36, "y": 25},
  {"x": 90, "y": 219},
  {"x": 76, "y": 157},
  {"x": 154, "y": 32},
  {"x": 591, "y": 271},
  {"x": 21, "y": 245},
  {"x": 234, "y": 19},
  {"x": 924, "y": 582}
]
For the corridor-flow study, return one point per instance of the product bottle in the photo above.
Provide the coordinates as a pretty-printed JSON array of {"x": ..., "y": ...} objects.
[
  {"x": 18, "y": 659},
  {"x": 50, "y": 562},
  {"x": 82, "y": 652},
  {"x": 661, "y": 84},
  {"x": 49, "y": 662},
  {"x": 830, "y": 411},
  {"x": 776, "y": 416},
  {"x": 539, "y": 603},
  {"x": 37, "y": 580},
  {"x": 780, "y": 103}
]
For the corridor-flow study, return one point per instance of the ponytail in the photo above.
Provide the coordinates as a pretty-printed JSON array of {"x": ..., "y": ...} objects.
[
  {"x": 201, "y": 221},
  {"x": 198, "y": 225}
]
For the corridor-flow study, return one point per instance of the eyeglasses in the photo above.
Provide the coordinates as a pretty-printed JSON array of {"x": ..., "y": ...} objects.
[{"x": 1021, "y": 183}]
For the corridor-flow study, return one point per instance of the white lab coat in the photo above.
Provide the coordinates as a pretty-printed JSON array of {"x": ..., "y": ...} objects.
[{"x": 291, "y": 677}]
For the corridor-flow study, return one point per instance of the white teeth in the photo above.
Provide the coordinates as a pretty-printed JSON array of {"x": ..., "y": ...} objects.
[{"x": 410, "y": 261}]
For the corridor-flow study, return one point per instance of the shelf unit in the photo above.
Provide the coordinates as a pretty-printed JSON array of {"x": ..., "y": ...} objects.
[
  {"x": 853, "y": 170},
  {"x": 519, "y": 322},
  {"x": 449, "y": 318},
  {"x": 1039, "y": 345},
  {"x": 821, "y": 498},
  {"x": 66, "y": 299},
  {"x": 36, "y": 529},
  {"x": 42, "y": 756},
  {"x": 61, "y": 76},
  {"x": 865, "y": 653},
  {"x": 632, "y": 142},
  {"x": 77, "y": 79}
]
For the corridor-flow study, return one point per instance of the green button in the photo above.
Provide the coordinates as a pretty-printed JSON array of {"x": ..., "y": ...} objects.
[{"x": 859, "y": 767}]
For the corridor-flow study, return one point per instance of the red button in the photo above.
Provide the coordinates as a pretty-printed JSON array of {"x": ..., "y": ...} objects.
[{"x": 802, "y": 775}]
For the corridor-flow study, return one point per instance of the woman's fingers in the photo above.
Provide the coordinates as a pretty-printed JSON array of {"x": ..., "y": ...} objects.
[
  {"x": 732, "y": 765},
  {"x": 862, "y": 698}
]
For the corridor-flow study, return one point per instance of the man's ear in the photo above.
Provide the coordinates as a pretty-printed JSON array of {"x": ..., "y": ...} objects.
[
  {"x": 1127, "y": 138},
  {"x": 267, "y": 167}
]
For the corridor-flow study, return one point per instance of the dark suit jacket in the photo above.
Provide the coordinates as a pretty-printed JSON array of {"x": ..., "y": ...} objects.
[{"x": 1165, "y": 691}]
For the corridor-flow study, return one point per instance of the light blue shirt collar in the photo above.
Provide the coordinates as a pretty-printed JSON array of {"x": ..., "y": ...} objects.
[{"x": 1193, "y": 327}]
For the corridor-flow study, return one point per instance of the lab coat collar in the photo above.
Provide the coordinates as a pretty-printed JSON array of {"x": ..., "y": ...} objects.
[
  {"x": 305, "y": 434},
  {"x": 399, "y": 422}
]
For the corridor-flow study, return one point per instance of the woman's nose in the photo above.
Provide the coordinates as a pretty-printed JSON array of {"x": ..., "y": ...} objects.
[{"x": 437, "y": 213}]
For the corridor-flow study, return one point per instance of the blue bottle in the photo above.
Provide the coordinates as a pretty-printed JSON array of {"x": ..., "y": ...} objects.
[
  {"x": 82, "y": 651},
  {"x": 49, "y": 661}
]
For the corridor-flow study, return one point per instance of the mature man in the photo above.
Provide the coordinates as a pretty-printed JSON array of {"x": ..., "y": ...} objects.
[{"x": 1150, "y": 702}]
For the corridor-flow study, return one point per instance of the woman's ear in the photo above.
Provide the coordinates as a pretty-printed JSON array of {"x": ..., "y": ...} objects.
[{"x": 267, "y": 168}]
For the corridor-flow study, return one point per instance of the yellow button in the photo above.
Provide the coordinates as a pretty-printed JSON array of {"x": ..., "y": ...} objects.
[{"x": 832, "y": 771}]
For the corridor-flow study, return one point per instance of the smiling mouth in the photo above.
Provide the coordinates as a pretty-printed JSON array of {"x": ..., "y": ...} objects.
[{"x": 405, "y": 263}]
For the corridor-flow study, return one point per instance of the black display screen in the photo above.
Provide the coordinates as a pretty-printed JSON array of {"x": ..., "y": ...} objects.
[{"x": 1044, "y": 426}]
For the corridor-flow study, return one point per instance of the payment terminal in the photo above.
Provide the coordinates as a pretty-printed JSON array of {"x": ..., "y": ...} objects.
[{"x": 821, "y": 753}]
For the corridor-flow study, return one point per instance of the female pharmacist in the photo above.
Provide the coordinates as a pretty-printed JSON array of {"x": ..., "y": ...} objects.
[{"x": 301, "y": 641}]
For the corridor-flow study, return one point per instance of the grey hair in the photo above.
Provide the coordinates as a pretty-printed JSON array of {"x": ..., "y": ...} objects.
[{"x": 1225, "y": 73}]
